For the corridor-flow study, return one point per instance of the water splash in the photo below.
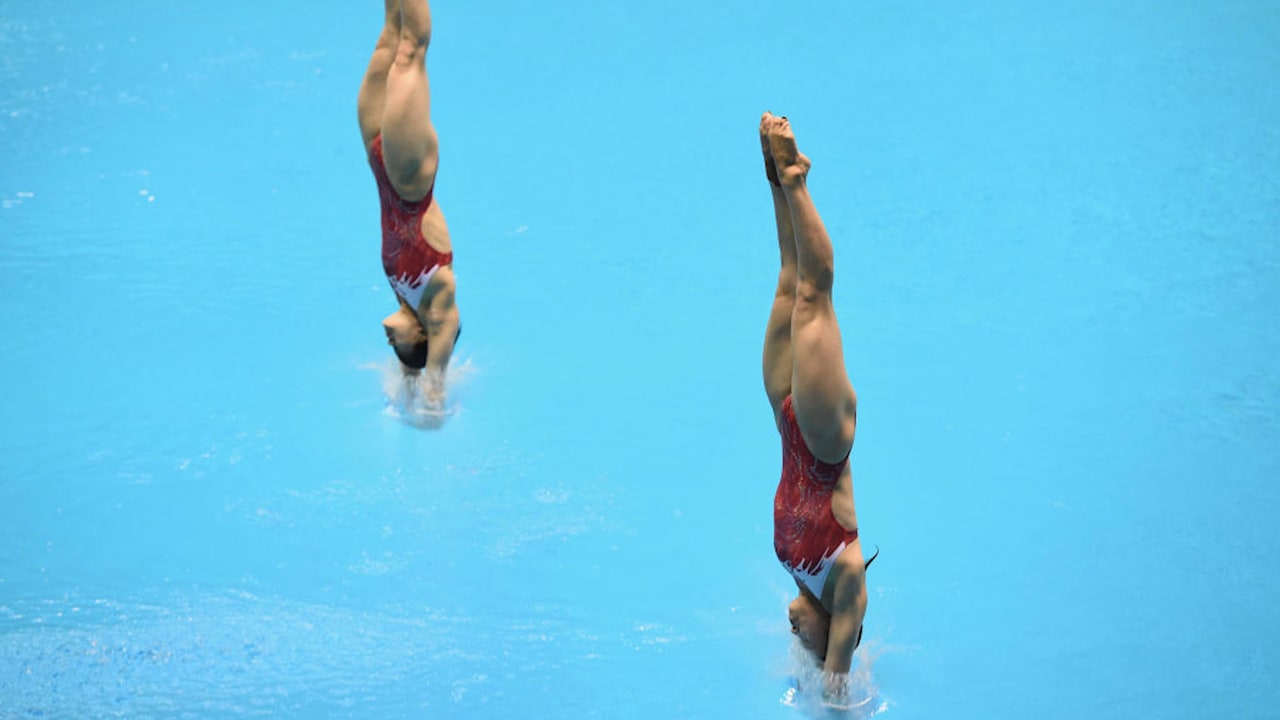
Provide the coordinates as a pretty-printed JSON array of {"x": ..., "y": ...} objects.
[
  {"x": 859, "y": 700},
  {"x": 426, "y": 399}
]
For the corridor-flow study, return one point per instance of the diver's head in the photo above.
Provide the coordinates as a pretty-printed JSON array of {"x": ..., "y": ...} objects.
[
  {"x": 810, "y": 623},
  {"x": 407, "y": 337}
]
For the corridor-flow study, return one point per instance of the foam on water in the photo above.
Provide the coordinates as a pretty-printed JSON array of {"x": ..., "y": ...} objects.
[
  {"x": 806, "y": 682},
  {"x": 424, "y": 400}
]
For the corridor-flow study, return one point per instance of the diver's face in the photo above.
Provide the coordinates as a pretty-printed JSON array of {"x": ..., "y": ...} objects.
[
  {"x": 810, "y": 625},
  {"x": 405, "y": 334},
  {"x": 403, "y": 329}
]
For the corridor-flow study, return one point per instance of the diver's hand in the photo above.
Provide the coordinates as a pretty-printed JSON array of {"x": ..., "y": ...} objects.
[{"x": 835, "y": 691}]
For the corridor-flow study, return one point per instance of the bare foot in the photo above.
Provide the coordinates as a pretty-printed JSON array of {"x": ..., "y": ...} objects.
[
  {"x": 770, "y": 170},
  {"x": 792, "y": 166}
]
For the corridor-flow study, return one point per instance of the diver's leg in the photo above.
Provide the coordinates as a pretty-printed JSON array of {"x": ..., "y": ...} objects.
[
  {"x": 373, "y": 89},
  {"x": 777, "y": 335},
  {"x": 823, "y": 398},
  {"x": 409, "y": 143}
]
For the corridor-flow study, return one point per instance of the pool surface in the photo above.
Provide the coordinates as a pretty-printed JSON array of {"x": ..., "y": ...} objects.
[{"x": 1057, "y": 235}]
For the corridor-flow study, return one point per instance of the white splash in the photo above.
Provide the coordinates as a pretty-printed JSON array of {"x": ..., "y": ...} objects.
[
  {"x": 424, "y": 399},
  {"x": 857, "y": 699}
]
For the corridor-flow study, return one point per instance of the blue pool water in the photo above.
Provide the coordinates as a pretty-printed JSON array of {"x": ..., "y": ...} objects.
[{"x": 1058, "y": 247}]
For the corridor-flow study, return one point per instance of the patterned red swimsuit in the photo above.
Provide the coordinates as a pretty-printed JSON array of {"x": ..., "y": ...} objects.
[
  {"x": 406, "y": 257},
  {"x": 806, "y": 535}
]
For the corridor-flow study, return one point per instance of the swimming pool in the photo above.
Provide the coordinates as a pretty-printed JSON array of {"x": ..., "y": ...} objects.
[{"x": 1056, "y": 238}]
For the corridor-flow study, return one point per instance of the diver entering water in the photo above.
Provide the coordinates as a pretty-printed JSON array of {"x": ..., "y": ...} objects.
[
  {"x": 815, "y": 526},
  {"x": 394, "y": 111}
]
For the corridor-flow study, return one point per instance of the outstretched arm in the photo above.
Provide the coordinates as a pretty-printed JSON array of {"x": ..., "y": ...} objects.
[{"x": 848, "y": 608}]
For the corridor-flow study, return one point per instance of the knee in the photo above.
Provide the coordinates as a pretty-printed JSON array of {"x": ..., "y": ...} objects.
[
  {"x": 411, "y": 46},
  {"x": 389, "y": 39},
  {"x": 812, "y": 289}
]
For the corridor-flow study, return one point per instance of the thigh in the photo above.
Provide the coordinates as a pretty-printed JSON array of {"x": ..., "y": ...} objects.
[
  {"x": 372, "y": 98},
  {"x": 821, "y": 394},
  {"x": 777, "y": 344},
  {"x": 409, "y": 142}
]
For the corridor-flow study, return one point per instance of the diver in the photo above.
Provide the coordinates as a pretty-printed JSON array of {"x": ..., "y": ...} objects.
[
  {"x": 394, "y": 111},
  {"x": 815, "y": 526}
]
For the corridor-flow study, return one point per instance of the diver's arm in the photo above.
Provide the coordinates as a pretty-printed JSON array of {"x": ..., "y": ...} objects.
[{"x": 848, "y": 607}]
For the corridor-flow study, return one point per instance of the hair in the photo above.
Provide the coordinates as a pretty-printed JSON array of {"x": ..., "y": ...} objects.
[{"x": 415, "y": 356}]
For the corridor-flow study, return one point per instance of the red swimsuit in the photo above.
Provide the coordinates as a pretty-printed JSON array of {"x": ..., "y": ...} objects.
[
  {"x": 806, "y": 535},
  {"x": 406, "y": 257}
]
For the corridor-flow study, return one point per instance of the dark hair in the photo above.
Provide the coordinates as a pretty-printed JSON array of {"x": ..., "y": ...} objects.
[{"x": 415, "y": 357}]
